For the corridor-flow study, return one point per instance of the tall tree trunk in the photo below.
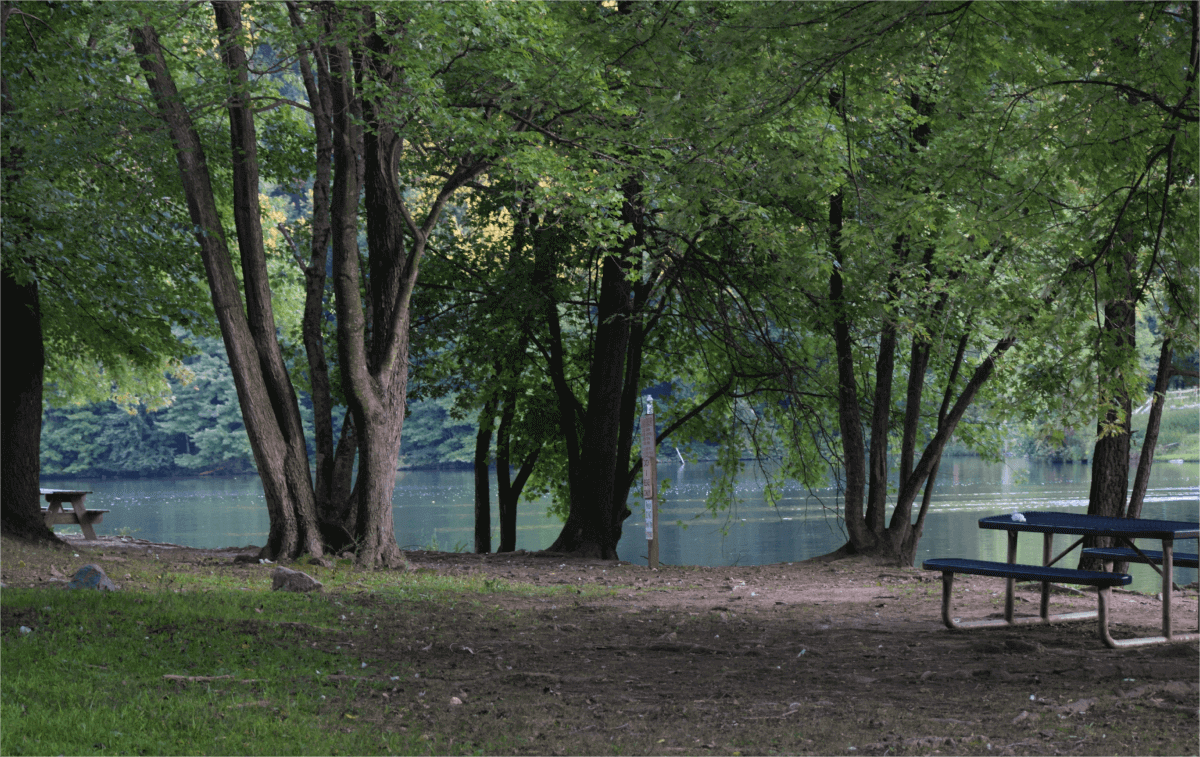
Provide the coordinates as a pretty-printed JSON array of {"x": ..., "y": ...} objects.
[
  {"x": 296, "y": 531},
  {"x": 371, "y": 394},
  {"x": 917, "y": 364},
  {"x": 375, "y": 375},
  {"x": 506, "y": 501},
  {"x": 1141, "y": 479},
  {"x": 24, "y": 371},
  {"x": 280, "y": 472},
  {"x": 629, "y": 410},
  {"x": 508, "y": 489},
  {"x": 877, "y": 464},
  {"x": 21, "y": 411},
  {"x": 900, "y": 528},
  {"x": 316, "y": 84},
  {"x": 483, "y": 489},
  {"x": 589, "y": 527},
  {"x": 907, "y": 552},
  {"x": 854, "y": 462},
  {"x": 1110, "y": 456},
  {"x": 546, "y": 242}
]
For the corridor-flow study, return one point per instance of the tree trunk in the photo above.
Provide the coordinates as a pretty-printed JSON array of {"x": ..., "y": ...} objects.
[
  {"x": 918, "y": 361},
  {"x": 296, "y": 531},
  {"x": 589, "y": 528},
  {"x": 629, "y": 410},
  {"x": 316, "y": 84},
  {"x": 546, "y": 242},
  {"x": 375, "y": 376},
  {"x": 854, "y": 462},
  {"x": 897, "y": 545},
  {"x": 1141, "y": 480},
  {"x": 21, "y": 413},
  {"x": 24, "y": 370},
  {"x": 375, "y": 384},
  {"x": 281, "y": 474},
  {"x": 908, "y": 545},
  {"x": 483, "y": 488},
  {"x": 1110, "y": 457},
  {"x": 508, "y": 489},
  {"x": 339, "y": 511},
  {"x": 877, "y": 482},
  {"x": 506, "y": 501}
]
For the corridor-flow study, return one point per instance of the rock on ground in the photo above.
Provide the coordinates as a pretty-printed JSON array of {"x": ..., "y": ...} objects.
[
  {"x": 286, "y": 579},
  {"x": 92, "y": 577}
]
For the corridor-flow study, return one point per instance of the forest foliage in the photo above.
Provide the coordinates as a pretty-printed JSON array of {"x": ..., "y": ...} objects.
[{"x": 833, "y": 238}]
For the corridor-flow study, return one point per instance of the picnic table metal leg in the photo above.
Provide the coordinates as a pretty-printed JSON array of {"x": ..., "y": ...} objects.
[
  {"x": 1103, "y": 594},
  {"x": 1168, "y": 550},
  {"x": 1010, "y": 583},
  {"x": 947, "y": 587},
  {"x": 1047, "y": 556}
]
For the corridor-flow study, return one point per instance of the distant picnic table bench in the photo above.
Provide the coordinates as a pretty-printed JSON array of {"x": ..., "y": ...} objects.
[
  {"x": 79, "y": 514},
  {"x": 1144, "y": 556}
]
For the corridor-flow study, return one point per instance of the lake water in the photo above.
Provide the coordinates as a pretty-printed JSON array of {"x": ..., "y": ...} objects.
[{"x": 434, "y": 510}]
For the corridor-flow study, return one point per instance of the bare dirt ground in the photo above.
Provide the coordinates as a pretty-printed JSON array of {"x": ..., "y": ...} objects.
[{"x": 816, "y": 658}]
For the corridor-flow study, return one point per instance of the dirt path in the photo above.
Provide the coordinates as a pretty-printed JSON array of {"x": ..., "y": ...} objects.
[{"x": 841, "y": 658}]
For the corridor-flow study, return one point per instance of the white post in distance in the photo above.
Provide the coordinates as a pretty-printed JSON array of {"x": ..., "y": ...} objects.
[{"x": 650, "y": 482}]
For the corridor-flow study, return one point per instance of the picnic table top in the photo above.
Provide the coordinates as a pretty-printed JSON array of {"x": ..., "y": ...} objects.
[
  {"x": 64, "y": 491},
  {"x": 1098, "y": 525}
]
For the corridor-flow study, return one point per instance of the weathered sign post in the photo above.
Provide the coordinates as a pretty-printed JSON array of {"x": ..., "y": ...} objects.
[{"x": 650, "y": 482}]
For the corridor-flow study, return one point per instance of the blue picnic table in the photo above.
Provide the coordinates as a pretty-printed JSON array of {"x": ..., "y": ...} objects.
[{"x": 1124, "y": 530}]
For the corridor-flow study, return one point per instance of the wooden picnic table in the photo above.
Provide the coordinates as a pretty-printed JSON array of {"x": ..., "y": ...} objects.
[{"x": 56, "y": 515}]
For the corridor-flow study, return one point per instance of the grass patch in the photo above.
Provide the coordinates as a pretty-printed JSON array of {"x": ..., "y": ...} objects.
[
  {"x": 1178, "y": 434},
  {"x": 197, "y": 673}
]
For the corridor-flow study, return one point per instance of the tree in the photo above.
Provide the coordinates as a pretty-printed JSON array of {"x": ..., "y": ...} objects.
[
  {"x": 422, "y": 101},
  {"x": 265, "y": 392},
  {"x": 92, "y": 279},
  {"x": 474, "y": 349},
  {"x": 1126, "y": 114},
  {"x": 925, "y": 239}
]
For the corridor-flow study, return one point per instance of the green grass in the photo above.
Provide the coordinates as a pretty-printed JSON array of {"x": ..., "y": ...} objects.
[
  {"x": 1178, "y": 434},
  {"x": 417, "y": 584},
  {"x": 88, "y": 678}
]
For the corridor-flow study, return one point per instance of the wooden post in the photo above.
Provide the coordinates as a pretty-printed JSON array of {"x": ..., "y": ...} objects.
[{"x": 650, "y": 482}]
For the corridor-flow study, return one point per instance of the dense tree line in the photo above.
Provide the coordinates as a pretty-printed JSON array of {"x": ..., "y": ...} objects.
[
  {"x": 198, "y": 430},
  {"x": 830, "y": 233}
]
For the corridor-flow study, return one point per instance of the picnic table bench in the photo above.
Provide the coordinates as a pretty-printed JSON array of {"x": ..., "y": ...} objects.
[
  {"x": 54, "y": 514},
  {"x": 1102, "y": 580},
  {"x": 1144, "y": 556}
]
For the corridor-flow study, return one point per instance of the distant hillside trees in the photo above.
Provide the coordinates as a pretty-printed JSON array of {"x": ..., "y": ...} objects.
[{"x": 201, "y": 432}]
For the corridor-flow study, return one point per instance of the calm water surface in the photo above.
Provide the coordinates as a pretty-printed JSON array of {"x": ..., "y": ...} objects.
[{"x": 433, "y": 509}]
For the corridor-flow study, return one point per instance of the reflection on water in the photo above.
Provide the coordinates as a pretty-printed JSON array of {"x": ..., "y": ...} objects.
[{"x": 434, "y": 509}]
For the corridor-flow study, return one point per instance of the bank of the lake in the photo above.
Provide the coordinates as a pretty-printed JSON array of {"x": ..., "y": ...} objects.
[{"x": 434, "y": 510}]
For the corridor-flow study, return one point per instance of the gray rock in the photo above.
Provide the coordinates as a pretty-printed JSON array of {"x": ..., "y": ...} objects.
[
  {"x": 285, "y": 579},
  {"x": 92, "y": 577}
]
